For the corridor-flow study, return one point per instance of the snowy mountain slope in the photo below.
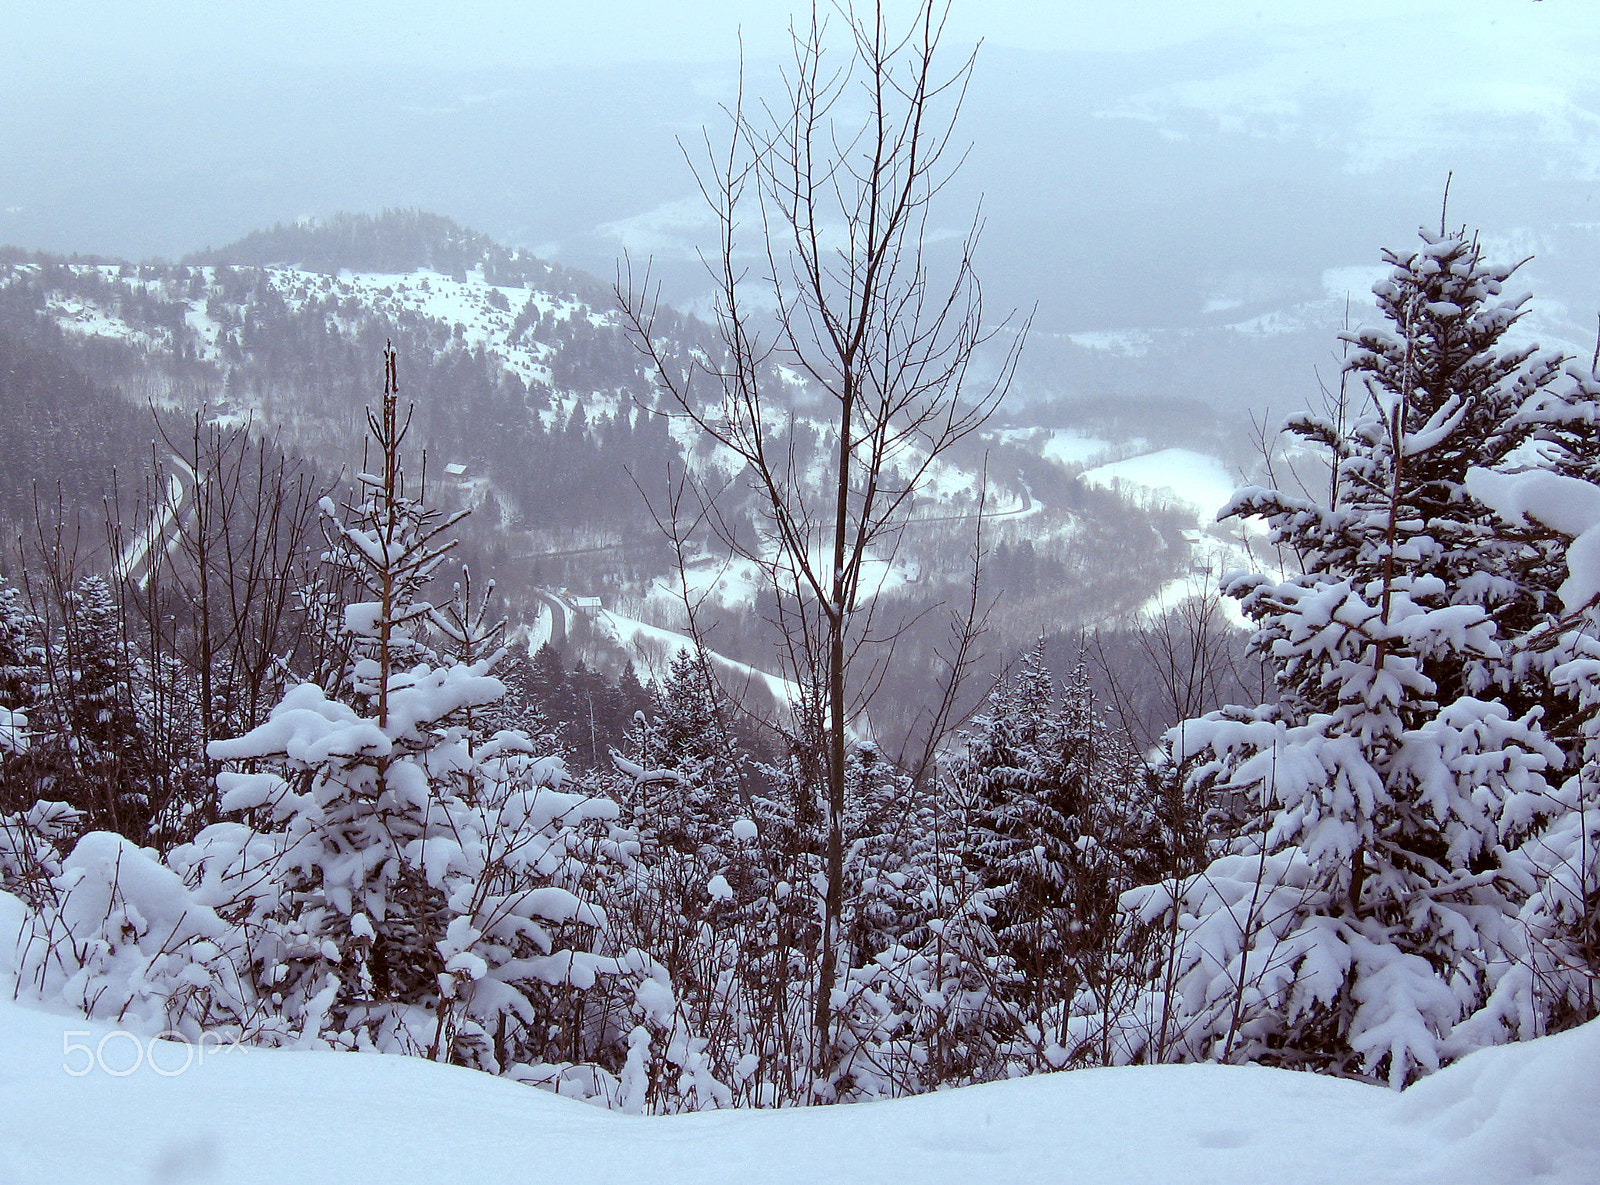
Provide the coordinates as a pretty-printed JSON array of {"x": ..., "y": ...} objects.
[
  {"x": 523, "y": 373},
  {"x": 1246, "y": 355},
  {"x": 535, "y": 408},
  {"x": 1326, "y": 80},
  {"x": 1529, "y": 1112},
  {"x": 271, "y": 338},
  {"x": 200, "y": 313},
  {"x": 653, "y": 648}
]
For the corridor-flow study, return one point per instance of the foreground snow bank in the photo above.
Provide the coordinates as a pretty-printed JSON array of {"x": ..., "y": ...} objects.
[
  {"x": 1520, "y": 1113},
  {"x": 1523, "y": 1112}
]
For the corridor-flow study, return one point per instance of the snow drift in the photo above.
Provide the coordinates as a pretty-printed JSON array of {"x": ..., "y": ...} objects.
[{"x": 1527, "y": 1112}]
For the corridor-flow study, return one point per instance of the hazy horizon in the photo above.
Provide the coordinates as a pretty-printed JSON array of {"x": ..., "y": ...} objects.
[
  {"x": 76, "y": 38},
  {"x": 1149, "y": 166}
]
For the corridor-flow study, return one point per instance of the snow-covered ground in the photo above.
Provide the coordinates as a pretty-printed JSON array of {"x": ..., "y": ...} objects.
[
  {"x": 537, "y": 632},
  {"x": 1527, "y": 1113},
  {"x": 1069, "y": 448},
  {"x": 1204, "y": 484},
  {"x": 728, "y": 581},
  {"x": 1124, "y": 343}
]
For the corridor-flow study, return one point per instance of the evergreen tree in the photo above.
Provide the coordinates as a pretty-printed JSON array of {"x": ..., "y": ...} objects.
[
  {"x": 687, "y": 736},
  {"x": 1367, "y": 909},
  {"x": 22, "y": 674},
  {"x": 1023, "y": 814},
  {"x": 1445, "y": 393},
  {"x": 21, "y": 650},
  {"x": 91, "y": 745},
  {"x": 1554, "y": 982},
  {"x": 891, "y": 833},
  {"x": 1060, "y": 823},
  {"x": 549, "y": 686}
]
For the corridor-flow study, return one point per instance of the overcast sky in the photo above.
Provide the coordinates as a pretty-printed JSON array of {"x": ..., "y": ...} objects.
[
  {"x": 66, "y": 39},
  {"x": 1139, "y": 162}
]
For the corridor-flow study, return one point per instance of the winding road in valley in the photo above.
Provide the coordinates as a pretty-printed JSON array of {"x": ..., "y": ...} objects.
[{"x": 162, "y": 530}]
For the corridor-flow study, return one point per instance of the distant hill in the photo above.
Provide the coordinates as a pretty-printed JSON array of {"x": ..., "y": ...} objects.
[
  {"x": 525, "y": 382},
  {"x": 398, "y": 241}
]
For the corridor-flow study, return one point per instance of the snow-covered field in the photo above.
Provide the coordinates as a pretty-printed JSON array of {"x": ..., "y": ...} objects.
[
  {"x": 1201, "y": 481},
  {"x": 1069, "y": 448},
  {"x": 1526, "y": 1113}
]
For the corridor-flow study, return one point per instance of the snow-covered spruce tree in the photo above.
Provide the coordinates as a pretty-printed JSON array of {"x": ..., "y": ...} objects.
[
  {"x": 1555, "y": 503},
  {"x": 442, "y": 870},
  {"x": 90, "y": 745},
  {"x": 1445, "y": 394},
  {"x": 32, "y": 830},
  {"x": 708, "y": 898},
  {"x": 685, "y": 736},
  {"x": 1022, "y": 817},
  {"x": 891, "y": 832},
  {"x": 1059, "y": 824},
  {"x": 391, "y": 878},
  {"x": 21, "y": 649},
  {"x": 1555, "y": 983},
  {"x": 21, "y": 676},
  {"x": 921, "y": 971},
  {"x": 1368, "y": 908}
]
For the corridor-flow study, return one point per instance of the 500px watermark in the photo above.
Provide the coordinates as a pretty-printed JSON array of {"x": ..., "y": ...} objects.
[{"x": 120, "y": 1053}]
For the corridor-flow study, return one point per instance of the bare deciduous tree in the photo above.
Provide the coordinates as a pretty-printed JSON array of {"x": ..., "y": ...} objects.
[
  {"x": 823, "y": 270},
  {"x": 223, "y": 593}
]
